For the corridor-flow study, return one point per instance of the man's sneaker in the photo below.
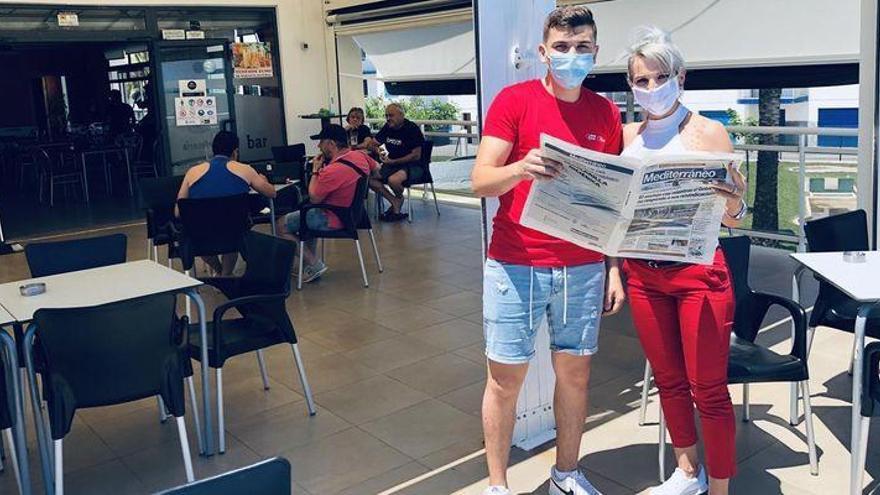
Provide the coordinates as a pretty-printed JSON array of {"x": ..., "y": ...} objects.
[
  {"x": 680, "y": 484},
  {"x": 314, "y": 272},
  {"x": 496, "y": 490},
  {"x": 574, "y": 483}
]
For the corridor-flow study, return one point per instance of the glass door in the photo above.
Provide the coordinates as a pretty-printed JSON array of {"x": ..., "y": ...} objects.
[{"x": 195, "y": 94}]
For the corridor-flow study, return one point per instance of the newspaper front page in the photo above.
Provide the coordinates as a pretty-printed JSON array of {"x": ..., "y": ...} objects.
[{"x": 660, "y": 208}]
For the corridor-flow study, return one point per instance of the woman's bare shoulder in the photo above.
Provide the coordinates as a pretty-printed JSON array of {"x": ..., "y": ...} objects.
[{"x": 706, "y": 134}]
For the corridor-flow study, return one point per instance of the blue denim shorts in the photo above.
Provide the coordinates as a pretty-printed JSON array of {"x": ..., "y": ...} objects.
[
  {"x": 517, "y": 299},
  {"x": 315, "y": 219}
]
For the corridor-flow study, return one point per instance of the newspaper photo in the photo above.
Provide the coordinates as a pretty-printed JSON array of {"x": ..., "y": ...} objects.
[{"x": 659, "y": 208}]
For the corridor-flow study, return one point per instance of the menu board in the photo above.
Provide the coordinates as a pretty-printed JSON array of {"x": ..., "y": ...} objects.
[{"x": 196, "y": 110}]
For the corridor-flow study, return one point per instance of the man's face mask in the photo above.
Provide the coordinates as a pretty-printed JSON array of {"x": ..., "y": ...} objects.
[{"x": 570, "y": 69}]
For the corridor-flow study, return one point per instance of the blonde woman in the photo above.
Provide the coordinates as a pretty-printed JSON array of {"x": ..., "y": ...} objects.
[{"x": 684, "y": 312}]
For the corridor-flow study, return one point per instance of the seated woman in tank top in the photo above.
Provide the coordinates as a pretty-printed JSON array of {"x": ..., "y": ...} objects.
[{"x": 223, "y": 176}]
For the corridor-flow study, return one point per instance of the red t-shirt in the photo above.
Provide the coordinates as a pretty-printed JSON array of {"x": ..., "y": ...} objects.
[
  {"x": 519, "y": 114},
  {"x": 337, "y": 182}
]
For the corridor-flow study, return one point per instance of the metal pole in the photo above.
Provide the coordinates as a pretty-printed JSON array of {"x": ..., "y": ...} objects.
[
  {"x": 630, "y": 108},
  {"x": 802, "y": 194}
]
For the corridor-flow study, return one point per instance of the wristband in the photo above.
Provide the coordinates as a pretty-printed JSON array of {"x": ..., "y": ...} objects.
[{"x": 743, "y": 209}]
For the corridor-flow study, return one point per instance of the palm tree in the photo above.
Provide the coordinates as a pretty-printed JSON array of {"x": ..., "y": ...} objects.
[{"x": 765, "y": 211}]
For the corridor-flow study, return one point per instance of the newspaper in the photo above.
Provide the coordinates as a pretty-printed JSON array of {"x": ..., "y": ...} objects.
[{"x": 659, "y": 208}]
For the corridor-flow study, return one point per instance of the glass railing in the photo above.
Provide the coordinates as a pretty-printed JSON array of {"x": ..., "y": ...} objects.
[{"x": 814, "y": 179}]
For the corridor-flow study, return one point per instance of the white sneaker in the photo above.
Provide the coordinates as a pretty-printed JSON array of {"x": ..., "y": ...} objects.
[
  {"x": 680, "y": 484},
  {"x": 496, "y": 490},
  {"x": 314, "y": 272},
  {"x": 572, "y": 484}
]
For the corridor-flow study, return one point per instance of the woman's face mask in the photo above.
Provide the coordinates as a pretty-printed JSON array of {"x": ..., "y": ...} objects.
[
  {"x": 570, "y": 69},
  {"x": 660, "y": 100}
]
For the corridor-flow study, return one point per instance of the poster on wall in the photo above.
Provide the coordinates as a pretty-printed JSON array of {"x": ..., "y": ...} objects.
[
  {"x": 198, "y": 110},
  {"x": 192, "y": 87},
  {"x": 251, "y": 60}
]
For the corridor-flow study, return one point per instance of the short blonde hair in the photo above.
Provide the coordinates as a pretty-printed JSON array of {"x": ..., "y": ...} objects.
[{"x": 655, "y": 44}]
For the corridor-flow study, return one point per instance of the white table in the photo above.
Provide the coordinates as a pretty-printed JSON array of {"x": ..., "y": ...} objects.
[
  {"x": 17, "y": 435},
  {"x": 106, "y": 285},
  {"x": 861, "y": 282},
  {"x": 278, "y": 188}
]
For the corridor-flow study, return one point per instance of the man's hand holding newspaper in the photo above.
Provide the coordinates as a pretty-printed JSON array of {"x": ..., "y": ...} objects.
[{"x": 660, "y": 208}]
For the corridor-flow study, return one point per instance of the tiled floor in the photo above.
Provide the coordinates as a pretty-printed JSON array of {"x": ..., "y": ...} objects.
[{"x": 397, "y": 371}]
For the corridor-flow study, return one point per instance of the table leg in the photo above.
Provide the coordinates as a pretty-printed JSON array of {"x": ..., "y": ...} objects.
[
  {"x": 85, "y": 179},
  {"x": 272, "y": 215},
  {"x": 128, "y": 168},
  {"x": 193, "y": 294},
  {"x": 17, "y": 411},
  {"x": 855, "y": 468}
]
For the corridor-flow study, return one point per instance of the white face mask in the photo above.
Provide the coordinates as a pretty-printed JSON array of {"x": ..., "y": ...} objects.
[{"x": 660, "y": 100}]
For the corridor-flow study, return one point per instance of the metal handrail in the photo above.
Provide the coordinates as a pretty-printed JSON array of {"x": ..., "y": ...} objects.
[
  {"x": 801, "y": 149},
  {"x": 794, "y": 131}
]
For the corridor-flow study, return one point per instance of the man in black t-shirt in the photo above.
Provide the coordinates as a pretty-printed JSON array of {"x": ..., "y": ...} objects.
[{"x": 402, "y": 142}]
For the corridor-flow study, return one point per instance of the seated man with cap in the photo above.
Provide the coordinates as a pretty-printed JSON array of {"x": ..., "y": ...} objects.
[{"x": 335, "y": 173}]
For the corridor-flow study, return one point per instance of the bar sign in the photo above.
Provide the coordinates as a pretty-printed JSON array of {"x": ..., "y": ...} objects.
[
  {"x": 173, "y": 34},
  {"x": 68, "y": 19}
]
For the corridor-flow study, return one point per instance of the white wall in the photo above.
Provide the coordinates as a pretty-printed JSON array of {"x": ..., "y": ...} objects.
[
  {"x": 698, "y": 101},
  {"x": 304, "y": 71}
]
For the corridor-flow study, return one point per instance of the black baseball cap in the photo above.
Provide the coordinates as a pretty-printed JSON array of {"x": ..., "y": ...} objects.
[{"x": 333, "y": 132}]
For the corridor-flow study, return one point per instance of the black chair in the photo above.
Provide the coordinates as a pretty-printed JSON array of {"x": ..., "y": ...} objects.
[
  {"x": 352, "y": 217},
  {"x": 288, "y": 154},
  {"x": 51, "y": 258},
  {"x": 833, "y": 308},
  {"x": 158, "y": 197},
  {"x": 870, "y": 405},
  {"x": 105, "y": 355},
  {"x": 750, "y": 362},
  {"x": 286, "y": 200},
  {"x": 269, "y": 477},
  {"x": 146, "y": 163},
  {"x": 211, "y": 227},
  {"x": 259, "y": 297},
  {"x": 12, "y": 424},
  {"x": 57, "y": 165},
  {"x": 420, "y": 174},
  {"x": 289, "y": 162}
]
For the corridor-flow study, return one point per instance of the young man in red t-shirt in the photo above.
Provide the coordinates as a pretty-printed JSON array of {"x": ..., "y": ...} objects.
[
  {"x": 333, "y": 182},
  {"x": 530, "y": 276}
]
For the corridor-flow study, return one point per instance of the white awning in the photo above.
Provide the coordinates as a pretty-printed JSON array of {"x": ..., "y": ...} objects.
[
  {"x": 728, "y": 43},
  {"x": 735, "y": 33},
  {"x": 424, "y": 54}
]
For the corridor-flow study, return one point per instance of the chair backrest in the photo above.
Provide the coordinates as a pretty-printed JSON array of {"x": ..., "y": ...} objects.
[
  {"x": 51, "y": 258},
  {"x": 358, "y": 208},
  {"x": 109, "y": 354},
  {"x": 291, "y": 153},
  {"x": 269, "y": 270},
  {"x": 6, "y": 407},
  {"x": 269, "y": 477},
  {"x": 845, "y": 232},
  {"x": 269, "y": 262},
  {"x": 736, "y": 253},
  {"x": 158, "y": 195},
  {"x": 213, "y": 226},
  {"x": 425, "y": 165}
]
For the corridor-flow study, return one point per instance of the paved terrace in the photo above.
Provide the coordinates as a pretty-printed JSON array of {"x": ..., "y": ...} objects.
[{"x": 398, "y": 374}]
